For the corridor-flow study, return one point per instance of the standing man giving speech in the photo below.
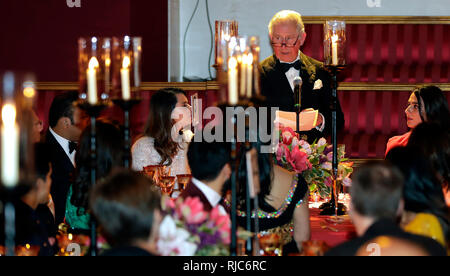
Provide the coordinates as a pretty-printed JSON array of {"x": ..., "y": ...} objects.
[{"x": 287, "y": 35}]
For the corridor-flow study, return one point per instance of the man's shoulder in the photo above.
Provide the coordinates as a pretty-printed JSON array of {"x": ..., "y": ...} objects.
[{"x": 268, "y": 64}]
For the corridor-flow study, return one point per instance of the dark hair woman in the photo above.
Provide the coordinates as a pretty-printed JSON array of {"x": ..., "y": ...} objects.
[
  {"x": 157, "y": 146},
  {"x": 110, "y": 155},
  {"x": 426, "y": 104},
  {"x": 425, "y": 212}
]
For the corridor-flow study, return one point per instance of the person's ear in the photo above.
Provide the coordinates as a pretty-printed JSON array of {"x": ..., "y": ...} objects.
[
  {"x": 40, "y": 184},
  {"x": 302, "y": 38},
  {"x": 226, "y": 172}
]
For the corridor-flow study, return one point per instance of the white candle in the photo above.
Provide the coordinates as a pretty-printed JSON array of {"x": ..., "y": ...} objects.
[
  {"x": 125, "y": 76},
  {"x": 232, "y": 81},
  {"x": 243, "y": 64},
  {"x": 92, "y": 81},
  {"x": 334, "y": 50},
  {"x": 10, "y": 147},
  {"x": 249, "y": 75}
]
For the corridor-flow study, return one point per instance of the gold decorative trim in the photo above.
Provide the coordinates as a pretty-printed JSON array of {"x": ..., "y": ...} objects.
[
  {"x": 213, "y": 85},
  {"x": 367, "y": 86},
  {"x": 358, "y": 162},
  {"x": 379, "y": 19}
]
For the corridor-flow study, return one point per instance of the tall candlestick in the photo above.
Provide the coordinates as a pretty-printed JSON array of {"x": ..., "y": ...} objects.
[
  {"x": 334, "y": 50},
  {"x": 10, "y": 147},
  {"x": 125, "y": 76},
  {"x": 232, "y": 81},
  {"x": 92, "y": 81},
  {"x": 249, "y": 73}
]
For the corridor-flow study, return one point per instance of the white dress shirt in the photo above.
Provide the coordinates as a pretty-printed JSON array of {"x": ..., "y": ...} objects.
[
  {"x": 290, "y": 75},
  {"x": 212, "y": 196},
  {"x": 65, "y": 145}
]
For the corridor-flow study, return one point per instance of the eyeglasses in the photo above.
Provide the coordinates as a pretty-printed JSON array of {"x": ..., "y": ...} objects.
[{"x": 288, "y": 42}]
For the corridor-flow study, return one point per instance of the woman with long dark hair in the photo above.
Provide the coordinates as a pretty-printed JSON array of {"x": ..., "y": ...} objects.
[
  {"x": 110, "y": 155},
  {"x": 425, "y": 212},
  {"x": 426, "y": 104},
  {"x": 160, "y": 145}
]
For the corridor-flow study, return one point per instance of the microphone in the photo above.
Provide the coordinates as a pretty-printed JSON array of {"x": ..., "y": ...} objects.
[{"x": 298, "y": 92}]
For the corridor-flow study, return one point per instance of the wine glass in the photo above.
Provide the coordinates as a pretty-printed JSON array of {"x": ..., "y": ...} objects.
[
  {"x": 167, "y": 183},
  {"x": 152, "y": 171},
  {"x": 270, "y": 244},
  {"x": 183, "y": 180}
]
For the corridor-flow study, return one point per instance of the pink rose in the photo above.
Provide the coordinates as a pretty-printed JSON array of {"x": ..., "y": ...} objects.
[
  {"x": 221, "y": 221},
  {"x": 282, "y": 150},
  {"x": 299, "y": 160},
  {"x": 330, "y": 156},
  {"x": 288, "y": 134},
  {"x": 192, "y": 210}
]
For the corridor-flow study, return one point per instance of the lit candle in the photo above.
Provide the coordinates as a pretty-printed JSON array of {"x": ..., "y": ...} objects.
[
  {"x": 10, "y": 146},
  {"x": 334, "y": 51},
  {"x": 92, "y": 81},
  {"x": 232, "y": 81},
  {"x": 243, "y": 64},
  {"x": 249, "y": 75},
  {"x": 125, "y": 76}
]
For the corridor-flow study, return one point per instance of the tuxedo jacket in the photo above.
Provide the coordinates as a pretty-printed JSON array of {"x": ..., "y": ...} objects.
[
  {"x": 62, "y": 170},
  {"x": 386, "y": 227},
  {"x": 278, "y": 92}
]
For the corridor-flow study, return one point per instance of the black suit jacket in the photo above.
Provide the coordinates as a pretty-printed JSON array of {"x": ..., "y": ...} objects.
[
  {"x": 62, "y": 170},
  {"x": 278, "y": 92},
  {"x": 386, "y": 227}
]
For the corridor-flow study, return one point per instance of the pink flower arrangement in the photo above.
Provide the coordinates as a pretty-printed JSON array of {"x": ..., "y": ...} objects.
[
  {"x": 313, "y": 161},
  {"x": 190, "y": 230}
]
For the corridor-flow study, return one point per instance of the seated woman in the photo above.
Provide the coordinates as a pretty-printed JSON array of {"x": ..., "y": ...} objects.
[
  {"x": 425, "y": 212},
  {"x": 157, "y": 146},
  {"x": 426, "y": 104},
  {"x": 433, "y": 141},
  {"x": 283, "y": 202},
  {"x": 110, "y": 155}
]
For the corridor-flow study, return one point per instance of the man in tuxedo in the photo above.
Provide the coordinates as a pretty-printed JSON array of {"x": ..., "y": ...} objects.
[
  {"x": 209, "y": 163},
  {"x": 287, "y": 35},
  {"x": 66, "y": 122},
  {"x": 376, "y": 205}
]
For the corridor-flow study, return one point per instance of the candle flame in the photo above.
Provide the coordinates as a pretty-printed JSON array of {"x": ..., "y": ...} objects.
[
  {"x": 93, "y": 63},
  {"x": 232, "y": 63},
  {"x": 334, "y": 38},
  {"x": 70, "y": 237},
  {"x": 27, "y": 246},
  {"x": 8, "y": 114},
  {"x": 126, "y": 62},
  {"x": 248, "y": 59},
  {"x": 29, "y": 92},
  {"x": 108, "y": 62}
]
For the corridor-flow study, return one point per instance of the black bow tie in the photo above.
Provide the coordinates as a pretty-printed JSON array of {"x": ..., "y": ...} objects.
[
  {"x": 72, "y": 146},
  {"x": 286, "y": 66}
]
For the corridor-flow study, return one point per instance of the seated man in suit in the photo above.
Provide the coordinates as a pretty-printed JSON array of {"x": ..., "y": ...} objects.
[
  {"x": 66, "y": 121},
  {"x": 287, "y": 35},
  {"x": 129, "y": 213},
  {"x": 210, "y": 171},
  {"x": 375, "y": 207}
]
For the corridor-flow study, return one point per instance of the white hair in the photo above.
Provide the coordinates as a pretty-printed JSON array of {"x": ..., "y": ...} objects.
[{"x": 287, "y": 16}]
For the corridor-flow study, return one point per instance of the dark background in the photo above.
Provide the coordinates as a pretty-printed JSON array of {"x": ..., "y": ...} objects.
[{"x": 40, "y": 36}]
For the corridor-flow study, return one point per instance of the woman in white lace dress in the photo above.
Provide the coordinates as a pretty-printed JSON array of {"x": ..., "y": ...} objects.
[{"x": 156, "y": 146}]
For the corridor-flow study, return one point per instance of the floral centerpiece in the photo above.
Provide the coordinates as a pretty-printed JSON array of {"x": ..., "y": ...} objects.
[
  {"x": 313, "y": 161},
  {"x": 189, "y": 230}
]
